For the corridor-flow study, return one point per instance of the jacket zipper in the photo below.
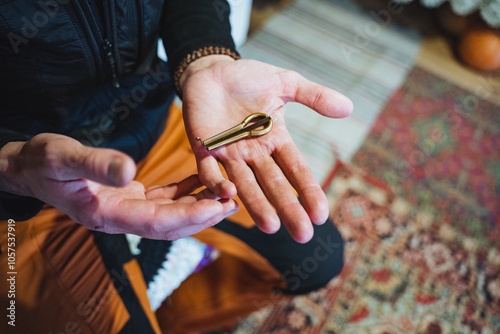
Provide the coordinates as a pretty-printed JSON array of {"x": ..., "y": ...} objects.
[
  {"x": 108, "y": 50},
  {"x": 140, "y": 30},
  {"x": 106, "y": 45}
]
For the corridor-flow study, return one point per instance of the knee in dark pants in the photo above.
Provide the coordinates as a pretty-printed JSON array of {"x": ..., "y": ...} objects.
[
  {"x": 314, "y": 266},
  {"x": 304, "y": 267}
]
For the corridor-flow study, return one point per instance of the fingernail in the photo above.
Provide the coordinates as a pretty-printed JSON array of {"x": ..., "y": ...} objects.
[
  {"x": 230, "y": 213},
  {"x": 114, "y": 170},
  {"x": 233, "y": 211}
]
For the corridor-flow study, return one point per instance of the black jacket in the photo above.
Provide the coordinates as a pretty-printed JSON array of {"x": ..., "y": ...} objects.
[{"x": 88, "y": 69}]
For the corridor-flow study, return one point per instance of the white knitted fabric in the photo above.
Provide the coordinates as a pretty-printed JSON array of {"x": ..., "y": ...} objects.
[
  {"x": 488, "y": 9},
  {"x": 182, "y": 259},
  {"x": 180, "y": 262}
]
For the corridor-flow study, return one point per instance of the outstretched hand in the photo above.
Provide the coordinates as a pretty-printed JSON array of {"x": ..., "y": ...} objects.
[
  {"x": 218, "y": 93},
  {"x": 94, "y": 187}
]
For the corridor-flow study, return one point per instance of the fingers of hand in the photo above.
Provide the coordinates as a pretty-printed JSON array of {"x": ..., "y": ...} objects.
[
  {"x": 211, "y": 177},
  {"x": 301, "y": 177},
  {"x": 252, "y": 196},
  {"x": 175, "y": 190},
  {"x": 207, "y": 194},
  {"x": 177, "y": 220},
  {"x": 108, "y": 167},
  {"x": 170, "y": 221},
  {"x": 325, "y": 101},
  {"x": 230, "y": 207},
  {"x": 281, "y": 195},
  {"x": 67, "y": 159},
  {"x": 182, "y": 193}
]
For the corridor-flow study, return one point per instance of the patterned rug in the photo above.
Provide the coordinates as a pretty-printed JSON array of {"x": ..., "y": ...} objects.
[
  {"x": 420, "y": 215},
  {"x": 438, "y": 146}
]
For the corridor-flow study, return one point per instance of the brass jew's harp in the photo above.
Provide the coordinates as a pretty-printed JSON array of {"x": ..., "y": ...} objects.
[{"x": 242, "y": 130}]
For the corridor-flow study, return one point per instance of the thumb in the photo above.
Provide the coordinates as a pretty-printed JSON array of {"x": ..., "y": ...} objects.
[
  {"x": 102, "y": 165},
  {"x": 323, "y": 100}
]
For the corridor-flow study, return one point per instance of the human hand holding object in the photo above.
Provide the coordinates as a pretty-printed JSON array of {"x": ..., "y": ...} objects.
[{"x": 218, "y": 93}]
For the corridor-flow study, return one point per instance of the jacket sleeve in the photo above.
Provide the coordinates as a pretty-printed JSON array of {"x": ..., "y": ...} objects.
[
  {"x": 13, "y": 206},
  {"x": 189, "y": 25}
]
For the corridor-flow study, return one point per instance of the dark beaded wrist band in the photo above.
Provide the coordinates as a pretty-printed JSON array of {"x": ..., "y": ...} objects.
[{"x": 206, "y": 51}]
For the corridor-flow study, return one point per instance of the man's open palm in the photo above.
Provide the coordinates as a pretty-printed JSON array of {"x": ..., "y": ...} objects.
[{"x": 262, "y": 170}]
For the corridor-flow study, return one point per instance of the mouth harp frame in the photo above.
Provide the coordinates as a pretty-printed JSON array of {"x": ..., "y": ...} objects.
[{"x": 240, "y": 131}]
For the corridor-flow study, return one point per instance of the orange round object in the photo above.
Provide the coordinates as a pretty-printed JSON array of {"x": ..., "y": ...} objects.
[{"x": 480, "y": 48}]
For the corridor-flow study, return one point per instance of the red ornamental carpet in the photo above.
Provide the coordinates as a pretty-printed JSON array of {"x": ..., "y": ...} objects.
[{"x": 420, "y": 214}]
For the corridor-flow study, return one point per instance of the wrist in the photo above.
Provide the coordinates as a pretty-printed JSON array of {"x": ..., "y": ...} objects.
[
  {"x": 9, "y": 170},
  {"x": 199, "y": 60},
  {"x": 201, "y": 64}
]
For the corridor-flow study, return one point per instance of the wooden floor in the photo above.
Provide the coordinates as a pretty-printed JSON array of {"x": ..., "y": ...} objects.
[{"x": 436, "y": 56}]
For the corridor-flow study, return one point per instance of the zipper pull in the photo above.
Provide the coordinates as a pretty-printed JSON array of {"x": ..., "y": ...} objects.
[{"x": 108, "y": 49}]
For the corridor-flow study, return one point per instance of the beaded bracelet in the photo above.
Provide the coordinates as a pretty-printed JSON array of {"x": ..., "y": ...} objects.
[{"x": 202, "y": 52}]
